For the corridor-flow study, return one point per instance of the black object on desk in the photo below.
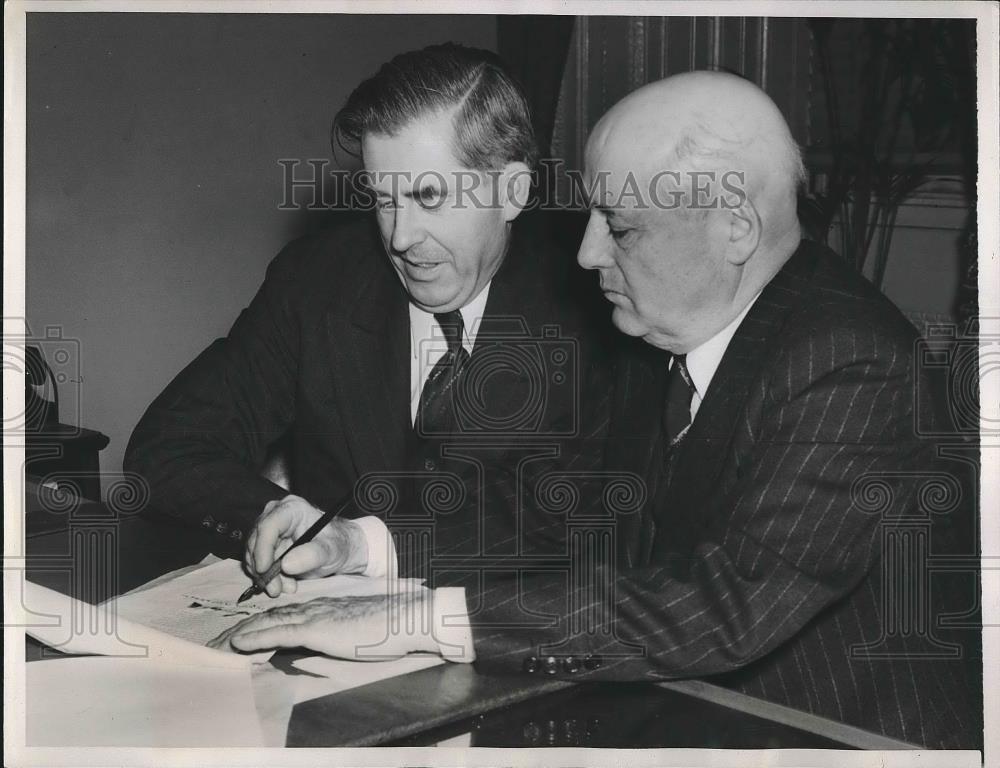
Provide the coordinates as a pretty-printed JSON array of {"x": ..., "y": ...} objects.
[
  {"x": 58, "y": 455},
  {"x": 67, "y": 456}
]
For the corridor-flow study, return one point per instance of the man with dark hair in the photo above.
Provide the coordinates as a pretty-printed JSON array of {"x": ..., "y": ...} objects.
[
  {"x": 420, "y": 360},
  {"x": 491, "y": 120}
]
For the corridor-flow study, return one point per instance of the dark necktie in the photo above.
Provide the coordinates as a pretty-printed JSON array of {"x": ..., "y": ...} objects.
[
  {"x": 677, "y": 408},
  {"x": 435, "y": 416},
  {"x": 676, "y": 422}
]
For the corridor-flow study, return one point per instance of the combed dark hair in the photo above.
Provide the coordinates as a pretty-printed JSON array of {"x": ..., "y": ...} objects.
[{"x": 492, "y": 123}]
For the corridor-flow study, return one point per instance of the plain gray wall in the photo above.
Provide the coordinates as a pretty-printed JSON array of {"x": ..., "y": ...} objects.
[{"x": 153, "y": 181}]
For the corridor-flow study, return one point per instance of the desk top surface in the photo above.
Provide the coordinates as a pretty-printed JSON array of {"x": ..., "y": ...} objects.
[{"x": 434, "y": 704}]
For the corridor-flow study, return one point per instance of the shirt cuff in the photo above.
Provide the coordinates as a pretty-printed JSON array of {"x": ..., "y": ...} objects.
[
  {"x": 452, "y": 632},
  {"x": 381, "y": 550}
]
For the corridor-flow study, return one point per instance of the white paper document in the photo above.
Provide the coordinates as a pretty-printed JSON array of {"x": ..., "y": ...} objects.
[
  {"x": 156, "y": 684},
  {"x": 201, "y": 604},
  {"x": 103, "y": 701},
  {"x": 73, "y": 626}
]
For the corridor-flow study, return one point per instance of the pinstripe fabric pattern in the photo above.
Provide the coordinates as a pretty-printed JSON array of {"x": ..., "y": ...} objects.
[{"x": 769, "y": 571}]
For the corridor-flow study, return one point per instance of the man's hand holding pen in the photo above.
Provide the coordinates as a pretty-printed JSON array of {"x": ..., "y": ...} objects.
[
  {"x": 352, "y": 628},
  {"x": 339, "y": 547},
  {"x": 294, "y": 540}
]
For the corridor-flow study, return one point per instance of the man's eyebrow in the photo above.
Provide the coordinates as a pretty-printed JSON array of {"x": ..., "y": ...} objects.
[
  {"x": 611, "y": 211},
  {"x": 425, "y": 191}
]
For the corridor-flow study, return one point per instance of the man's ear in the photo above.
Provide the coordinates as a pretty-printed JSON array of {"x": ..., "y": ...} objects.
[
  {"x": 744, "y": 232},
  {"x": 515, "y": 187}
]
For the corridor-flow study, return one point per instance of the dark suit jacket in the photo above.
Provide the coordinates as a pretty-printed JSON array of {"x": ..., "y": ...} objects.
[
  {"x": 323, "y": 351},
  {"x": 768, "y": 555}
]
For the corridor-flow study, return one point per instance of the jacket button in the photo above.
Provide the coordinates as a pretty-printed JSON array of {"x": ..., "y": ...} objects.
[
  {"x": 221, "y": 527},
  {"x": 551, "y": 733},
  {"x": 551, "y": 665},
  {"x": 430, "y": 465},
  {"x": 571, "y": 664},
  {"x": 592, "y": 662},
  {"x": 530, "y": 664},
  {"x": 532, "y": 732},
  {"x": 207, "y": 521},
  {"x": 571, "y": 732},
  {"x": 236, "y": 533}
]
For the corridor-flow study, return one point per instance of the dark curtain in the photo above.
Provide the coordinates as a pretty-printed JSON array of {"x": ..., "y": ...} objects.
[
  {"x": 535, "y": 49},
  {"x": 961, "y": 63}
]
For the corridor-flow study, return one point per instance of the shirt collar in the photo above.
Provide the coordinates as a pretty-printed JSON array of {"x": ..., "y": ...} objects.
[
  {"x": 703, "y": 360},
  {"x": 423, "y": 326}
]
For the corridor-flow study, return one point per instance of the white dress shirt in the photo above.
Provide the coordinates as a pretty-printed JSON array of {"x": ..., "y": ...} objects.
[
  {"x": 428, "y": 345},
  {"x": 703, "y": 361}
]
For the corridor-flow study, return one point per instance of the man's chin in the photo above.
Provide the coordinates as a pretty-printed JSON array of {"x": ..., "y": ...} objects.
[
  {"x": 433, "y": 301},
  {"x": 628, "y": 323}
]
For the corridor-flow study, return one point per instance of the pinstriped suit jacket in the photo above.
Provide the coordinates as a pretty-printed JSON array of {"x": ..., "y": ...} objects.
[{"x": 767, "y": 556}]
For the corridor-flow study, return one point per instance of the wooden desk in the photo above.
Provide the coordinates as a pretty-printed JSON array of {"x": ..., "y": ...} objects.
[{"x": 97, "y": 556}]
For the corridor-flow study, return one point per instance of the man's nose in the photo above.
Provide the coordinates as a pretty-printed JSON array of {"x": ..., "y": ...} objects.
[
  {"x": 407, "y": 228},
  {"x": 593, "y": 253}
]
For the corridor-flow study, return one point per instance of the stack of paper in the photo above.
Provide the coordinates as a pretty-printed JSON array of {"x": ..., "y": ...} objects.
[
  {"x": 72, "y": 626},
  {"x": 147, "y": 689}
]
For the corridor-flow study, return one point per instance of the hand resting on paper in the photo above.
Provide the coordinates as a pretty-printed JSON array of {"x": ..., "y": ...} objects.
[
  {"x": 371, "y": 628},
  {"x": 339, "y": 548}
]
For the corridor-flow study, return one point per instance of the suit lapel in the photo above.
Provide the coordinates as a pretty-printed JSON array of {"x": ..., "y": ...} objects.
[
  {"x": 634, "y": 440},
  {"x": 518, "y": 288},
  {"x": 703, "y": 452},
  {"x": 371, "y": 350},
  {"x": 517, "y": 308}
]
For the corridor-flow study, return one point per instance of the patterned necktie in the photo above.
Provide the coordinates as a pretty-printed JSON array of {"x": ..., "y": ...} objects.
[
  {"x": 677, "y": 408},
  {"x": 436, "y": 414}
]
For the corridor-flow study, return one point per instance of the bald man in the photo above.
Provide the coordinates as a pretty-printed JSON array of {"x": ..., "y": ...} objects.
[
  {"x": 771, "y": 412},
  {"x": 770, "y": 415}
]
